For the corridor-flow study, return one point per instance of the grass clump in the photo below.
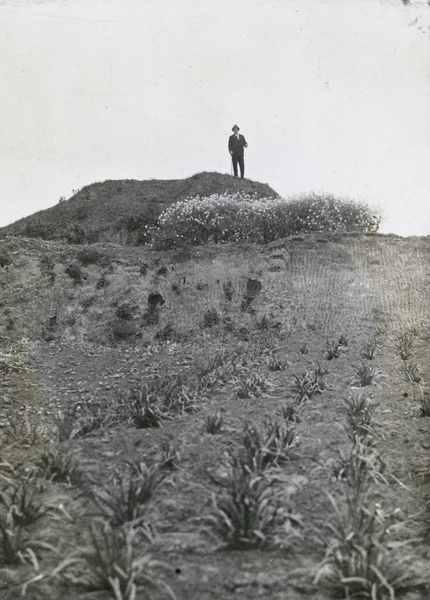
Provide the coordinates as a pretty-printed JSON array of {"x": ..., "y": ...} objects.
[
  {"x": 251, "y": 384},
  {"x": 358, "y": 563},
  {"x": 411, "y": 372},
  {"x": 260, "y": 450},
  {"x": 112, "y": 562},
  {"x": 170, "y": 456},
  {"x": 404, "y": 344},
  {"x": 126, "y": 501},
  {"x": 425, "y": 406},
  {"x": 308, "y": 384},
  {"x": 291, "y": 412},
  {"x": 250, "y": 512},
  {"x": 359, "y": 413},
  {"x": 365, "y": 375},
  {"x": 213, "y": 423},
  {"x": 236, "y": 217},
  {"x": 62, "y": 467},
  {"x": 369, "y": 349},
  {"x": 19, "y": 508},
  {"x": 333, "y": 350}
]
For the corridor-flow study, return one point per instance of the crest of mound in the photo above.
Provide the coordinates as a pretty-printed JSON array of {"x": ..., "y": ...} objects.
[{"x": 121, "y": 211}]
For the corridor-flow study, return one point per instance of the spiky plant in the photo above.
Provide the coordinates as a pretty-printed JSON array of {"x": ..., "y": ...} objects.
[
  {"x": 98, "y": 414},
  {"x": 359, "y": 468},
  {"x": 65, "y": 422},
  {"x": 19, "y": 508},
  {"x": 404, "y": 343},
  {"x": 170, "y": 455},
  {"x": 333, "y": 350},
  {"x": 304, "y": 348},
  {"x": 365, "y": 375},
  {"x": 213, "y": 423},
  {"x": 425, "y": 406},
  {"x": 412, "y": 372},
  {"x": 359, "y": 413},
  {"x": 278, "y": 440},
  {"x": 62, "y": 467},
  {"x": 112, "y": 563},
  {"x": 145, "y": 410},
  {"x": 23, "y": 502},
  {"x": 358, "y": 563},
  {"x": 249, "y": 510},
  {"x": 262, "y": 450},
  {"x": 307, "y": 385},
  {"x": 342, "y": 340},
  {"x": 276, "y": 363},
  {"x": 251, "y": 384},
  {"x": 13, "y": 538},
  {"x": 369, "y": 349},
  {"x": 291, "y": 412},
  {"x": 126, "y": 502}
]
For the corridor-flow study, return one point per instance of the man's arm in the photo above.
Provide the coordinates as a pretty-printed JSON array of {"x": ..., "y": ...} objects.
[
  {"x": 245, "y": 144},
  {"x": 230, "y": 149}
]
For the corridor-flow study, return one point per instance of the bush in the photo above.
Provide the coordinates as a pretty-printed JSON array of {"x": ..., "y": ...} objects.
[
  {"x": 88, "y": 256},
  {"x": 122, "y": 330},
  {"x": 227, "y": 218},
  {"x": 125, "y": 311},
  {"x": 75, "y": 272}
]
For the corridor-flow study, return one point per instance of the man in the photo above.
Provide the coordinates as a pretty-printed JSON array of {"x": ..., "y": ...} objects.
[{"x": 236, "y": 144}]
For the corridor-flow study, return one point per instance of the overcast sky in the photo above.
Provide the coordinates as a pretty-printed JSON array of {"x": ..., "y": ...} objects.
[{"x": 331, "y": 95}]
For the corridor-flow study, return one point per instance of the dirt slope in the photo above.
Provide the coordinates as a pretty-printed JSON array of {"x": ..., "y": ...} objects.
[{"x": 240, "y": 331}]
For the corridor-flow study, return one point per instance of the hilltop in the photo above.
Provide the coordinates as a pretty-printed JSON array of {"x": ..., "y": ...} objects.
[{"x": 120, "y": 211}]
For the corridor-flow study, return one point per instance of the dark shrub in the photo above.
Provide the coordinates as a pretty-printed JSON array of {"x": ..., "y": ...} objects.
[
  {"x": 88, "y": 256},
  {"x": 144, "y": 268},
  {"x": 5, "y": 260},
  {"x": 210, "y": 318},
  {"x": 125, "y": 311},
  {"x": 167, "y": 333},
  {"x": 122, "y": 330},
  {"x": 102, "y": 283},
  {"x": 75, "y": 272}
]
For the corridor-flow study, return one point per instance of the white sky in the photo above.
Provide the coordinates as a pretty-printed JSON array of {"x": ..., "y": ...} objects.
[{"x": 331, "y": 95}]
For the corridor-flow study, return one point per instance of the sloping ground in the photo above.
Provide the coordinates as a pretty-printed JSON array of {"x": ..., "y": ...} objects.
[
  {"x": 121, "y": 211},
  {"x": 242, "y": 328}
]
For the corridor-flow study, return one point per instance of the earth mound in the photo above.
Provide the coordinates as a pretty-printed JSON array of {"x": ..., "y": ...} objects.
[{"x": 122, "y": 211}]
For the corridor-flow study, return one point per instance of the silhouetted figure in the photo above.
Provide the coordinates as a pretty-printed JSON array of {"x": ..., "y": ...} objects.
[{"x": 236, "y": 144}]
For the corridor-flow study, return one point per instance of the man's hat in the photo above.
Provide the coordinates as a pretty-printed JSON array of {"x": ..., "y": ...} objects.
[{"x": 235, "y": 127}]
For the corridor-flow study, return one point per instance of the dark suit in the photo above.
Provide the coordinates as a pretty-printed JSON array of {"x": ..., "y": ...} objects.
[{"x": 235, "y": 147}]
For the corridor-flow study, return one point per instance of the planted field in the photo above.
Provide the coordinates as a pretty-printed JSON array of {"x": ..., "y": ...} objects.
[{"x": 232, "y": 421}]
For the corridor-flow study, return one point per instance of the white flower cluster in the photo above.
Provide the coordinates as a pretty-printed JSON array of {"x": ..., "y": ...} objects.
[{"x": 223, "y": 217}]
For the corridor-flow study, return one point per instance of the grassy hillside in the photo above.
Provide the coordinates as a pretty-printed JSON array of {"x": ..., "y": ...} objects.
[
  {"x": 254, "y": 418},
  {"x": 119, "y": 211}
]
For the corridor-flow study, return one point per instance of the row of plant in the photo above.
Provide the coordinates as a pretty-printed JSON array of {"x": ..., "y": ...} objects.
[
  {"x": 363, "y": 540},
  {"x": 252, "y": 507},
  {"x": 111, "y": 558}
]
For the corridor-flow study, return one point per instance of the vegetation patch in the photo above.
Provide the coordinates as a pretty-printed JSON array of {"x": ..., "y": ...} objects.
[{"x": 224, "y": 218}]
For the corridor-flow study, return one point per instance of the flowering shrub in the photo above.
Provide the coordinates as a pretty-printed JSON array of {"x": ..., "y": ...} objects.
[{"x": 229, "y": 218}]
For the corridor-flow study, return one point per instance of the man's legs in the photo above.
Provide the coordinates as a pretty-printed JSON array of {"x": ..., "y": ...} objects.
[
  {"x": 238, "y": 160},
  {"x": 234, "y": 160}
]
